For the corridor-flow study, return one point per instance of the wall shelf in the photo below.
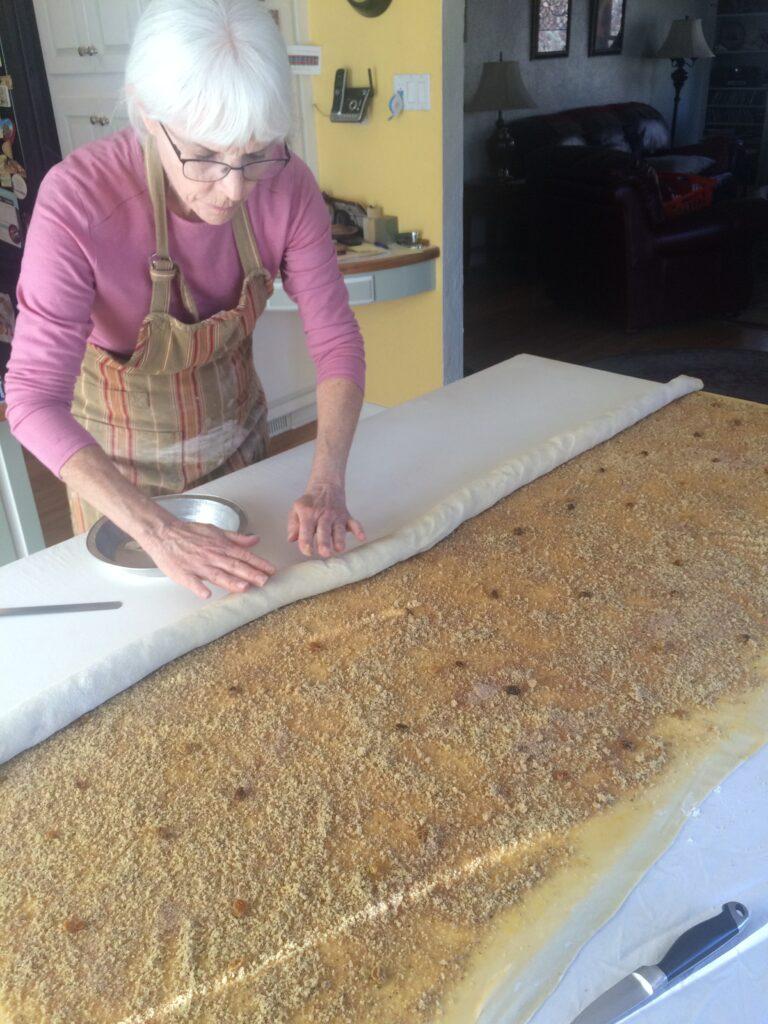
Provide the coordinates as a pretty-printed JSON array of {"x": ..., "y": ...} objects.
[
  {"x": 737, "y": 109},
  {"x": 406, "y": 272}
]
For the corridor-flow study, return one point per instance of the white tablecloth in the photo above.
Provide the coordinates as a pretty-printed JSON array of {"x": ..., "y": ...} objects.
[{"x": 720, "y": 854}]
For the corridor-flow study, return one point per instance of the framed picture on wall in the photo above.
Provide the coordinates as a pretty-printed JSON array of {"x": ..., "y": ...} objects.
[
  {"x": 550, "y": 28},
  {"x": 606, "y": 27}
]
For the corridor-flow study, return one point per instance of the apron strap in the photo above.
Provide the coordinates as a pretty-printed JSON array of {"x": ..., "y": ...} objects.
[
  {"x": 186, "y": 297},
  {"x": 162, "y": 269},
  {"x": 246, "y": 243}
]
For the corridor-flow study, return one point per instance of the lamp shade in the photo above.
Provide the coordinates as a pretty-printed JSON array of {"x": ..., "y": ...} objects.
[
  {"x": 501, "y": 88},
  {"x": 685, "y": 39}
]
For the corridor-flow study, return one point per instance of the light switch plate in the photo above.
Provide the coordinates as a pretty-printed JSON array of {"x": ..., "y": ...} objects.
[{"x": 415, "y": 90}]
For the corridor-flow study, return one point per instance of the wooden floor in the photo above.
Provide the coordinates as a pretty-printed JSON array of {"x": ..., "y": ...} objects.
[{"x": 504, "y": 315}]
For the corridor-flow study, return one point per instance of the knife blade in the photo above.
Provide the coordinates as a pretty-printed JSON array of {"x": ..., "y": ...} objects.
[
  {"x": 694, "y": 948},
  {"x": 45, "y": 609}
]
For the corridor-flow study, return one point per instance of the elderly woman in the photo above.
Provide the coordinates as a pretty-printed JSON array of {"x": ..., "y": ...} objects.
[{"x": 149, "y": 258}]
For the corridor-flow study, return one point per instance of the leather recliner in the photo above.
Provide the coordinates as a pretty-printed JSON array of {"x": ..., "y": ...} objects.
[{"x": 604, "y": 245}]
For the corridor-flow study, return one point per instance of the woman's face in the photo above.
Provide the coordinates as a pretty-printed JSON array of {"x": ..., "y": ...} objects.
[{"x": 214, "y": 202}]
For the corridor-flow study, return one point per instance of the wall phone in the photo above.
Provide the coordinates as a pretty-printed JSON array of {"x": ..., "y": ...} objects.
[{"x": 349, "y": 104}]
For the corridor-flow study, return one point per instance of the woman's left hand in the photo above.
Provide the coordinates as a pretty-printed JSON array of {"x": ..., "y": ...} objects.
[{"x": 321, "y": 516}]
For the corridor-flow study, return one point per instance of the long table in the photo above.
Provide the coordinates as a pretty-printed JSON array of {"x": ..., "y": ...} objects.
[{"x": 416, "y": 473}]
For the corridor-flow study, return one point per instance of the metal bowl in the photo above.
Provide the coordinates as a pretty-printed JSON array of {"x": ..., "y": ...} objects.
[{"x": 113, "y": 546}]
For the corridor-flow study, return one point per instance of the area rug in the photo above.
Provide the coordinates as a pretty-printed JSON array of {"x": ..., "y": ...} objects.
[{"x": 738, "y": 373}]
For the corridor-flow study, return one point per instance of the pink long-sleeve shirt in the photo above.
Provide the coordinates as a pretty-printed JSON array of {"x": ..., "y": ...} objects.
[{"x": 84, "y": 277}]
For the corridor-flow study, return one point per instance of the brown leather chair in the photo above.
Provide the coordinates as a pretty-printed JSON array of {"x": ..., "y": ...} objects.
[{"x": 604, "y": 244}]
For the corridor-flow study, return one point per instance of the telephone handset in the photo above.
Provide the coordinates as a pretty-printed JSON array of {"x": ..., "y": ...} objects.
[
  {"x": 339, "y": 88},
  {"x": 349, "y": 104}
]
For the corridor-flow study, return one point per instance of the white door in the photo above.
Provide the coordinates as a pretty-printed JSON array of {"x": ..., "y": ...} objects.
[
  {"x": 63, "y": 30},
  {"x": 81, "y": 119},
  {"x": 279, "y": 345},
  {"x": 289, "y": 17},
  {"x": 86, "y": 36},
  {"x": 111, "y": 24}
]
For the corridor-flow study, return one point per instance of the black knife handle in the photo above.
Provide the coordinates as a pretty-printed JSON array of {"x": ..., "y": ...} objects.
[{"x": 703, "y": 940}]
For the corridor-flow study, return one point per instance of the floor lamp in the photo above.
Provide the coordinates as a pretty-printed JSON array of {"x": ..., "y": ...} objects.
[
  {"x": 501, "y": 88},
  {"x": 684, "y": 44}
]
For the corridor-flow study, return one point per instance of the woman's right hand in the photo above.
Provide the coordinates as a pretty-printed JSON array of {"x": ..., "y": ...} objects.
[{"x": 190, "y": 553}]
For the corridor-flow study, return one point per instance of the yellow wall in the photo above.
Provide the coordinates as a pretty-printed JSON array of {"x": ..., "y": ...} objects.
[{"x": 393, "y": 164}]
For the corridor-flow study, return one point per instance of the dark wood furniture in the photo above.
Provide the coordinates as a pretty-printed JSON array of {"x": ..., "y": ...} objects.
[{"x": 502, "y": 203}]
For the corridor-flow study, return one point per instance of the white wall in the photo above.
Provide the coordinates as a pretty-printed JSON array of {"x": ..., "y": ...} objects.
[{"x": 579, "y": 80}]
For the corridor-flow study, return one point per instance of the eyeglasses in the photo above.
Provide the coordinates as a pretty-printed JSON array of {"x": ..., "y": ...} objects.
[{"x": 261, "y": 169}]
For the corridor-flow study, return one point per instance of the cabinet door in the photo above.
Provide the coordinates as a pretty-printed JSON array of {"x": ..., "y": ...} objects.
[
  {"x": 282, "y": 362},
  {"x": 63, "y": 30},
  {"x": 81, "y": 119},
  {"x": 82, "y": 36},
  {"x": 111, "y": 24}
]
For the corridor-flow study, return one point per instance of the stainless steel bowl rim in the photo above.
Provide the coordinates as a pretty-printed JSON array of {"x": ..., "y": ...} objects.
[{"x": 165, "y": 499}]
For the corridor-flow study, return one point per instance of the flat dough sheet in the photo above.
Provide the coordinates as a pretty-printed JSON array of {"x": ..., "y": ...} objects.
[{"x": 372, "y": 805}]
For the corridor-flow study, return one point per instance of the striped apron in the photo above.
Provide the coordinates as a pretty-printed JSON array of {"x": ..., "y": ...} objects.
[{"x": 187, "y": 406}]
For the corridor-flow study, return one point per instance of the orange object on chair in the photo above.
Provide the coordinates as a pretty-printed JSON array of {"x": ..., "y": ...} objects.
[{"x": 684, "y": 193}]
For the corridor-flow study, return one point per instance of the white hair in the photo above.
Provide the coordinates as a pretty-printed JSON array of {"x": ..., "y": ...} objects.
[{"x": 216, "y": 70}]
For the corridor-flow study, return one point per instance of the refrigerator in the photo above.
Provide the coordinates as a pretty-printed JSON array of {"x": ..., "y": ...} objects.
[{"x": 29, "y": 146}]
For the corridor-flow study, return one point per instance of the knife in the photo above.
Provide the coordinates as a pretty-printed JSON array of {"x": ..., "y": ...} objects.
[
  {"x": 44, "y": 609},
  {"x": 694, "y": 948}
]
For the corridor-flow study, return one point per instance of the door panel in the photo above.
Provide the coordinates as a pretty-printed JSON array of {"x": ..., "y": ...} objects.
[
  {"x": 63, "y": 29},
  {"x": 86, "y": 36},
  {"x": 111, "y": 24},
  {"x": 284, "y": 14},
  {"x": 81, "y": 119}
]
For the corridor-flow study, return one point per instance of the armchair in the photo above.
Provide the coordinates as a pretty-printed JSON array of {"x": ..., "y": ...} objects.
[{"x": 604, "y": 244}]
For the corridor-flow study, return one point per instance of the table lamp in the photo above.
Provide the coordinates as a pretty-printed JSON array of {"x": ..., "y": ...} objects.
[
  {"x": 684, "y": 44},
  {"x": 501, "y": 88}
]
